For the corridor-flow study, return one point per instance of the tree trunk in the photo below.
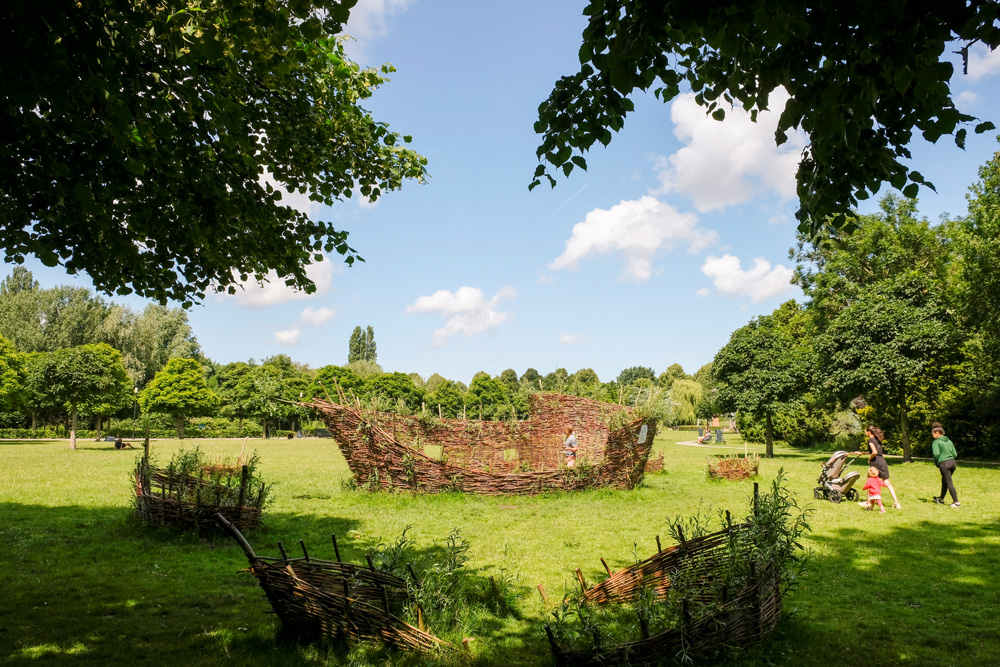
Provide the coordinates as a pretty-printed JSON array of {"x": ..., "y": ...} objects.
[
  {"x": 769, "y": 437},
  {"x": 34, "y": 421},
  {"x": 180, "y": 426},
  {"x": 904, "y": 427},
  {"x": 98, "y": 438},
  {"x": 72, "y": 428}
]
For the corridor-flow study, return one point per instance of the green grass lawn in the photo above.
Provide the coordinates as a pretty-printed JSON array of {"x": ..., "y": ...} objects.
[{"x": 82, "y": 583}]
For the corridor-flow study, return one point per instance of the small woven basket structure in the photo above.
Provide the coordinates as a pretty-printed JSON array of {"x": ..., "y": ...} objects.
[
  {"x": 163, "y": 499},
  {"x": 385, "y": 450},
  {"x": 733, "y": 467},
  {"x": 738, "y": 618},
  {"x": 315, "y": 597},
  {"x": 654, "y": 465}
]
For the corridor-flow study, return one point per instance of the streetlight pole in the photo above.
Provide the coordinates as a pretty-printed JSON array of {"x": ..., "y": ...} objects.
[{"x": 135, "y": 403}]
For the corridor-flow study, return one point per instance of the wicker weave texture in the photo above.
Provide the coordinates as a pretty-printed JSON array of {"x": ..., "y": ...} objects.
[{"x": 386, "y": 450}]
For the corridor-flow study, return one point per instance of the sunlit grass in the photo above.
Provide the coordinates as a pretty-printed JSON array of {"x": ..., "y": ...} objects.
[{"x": 84, "y": 584}]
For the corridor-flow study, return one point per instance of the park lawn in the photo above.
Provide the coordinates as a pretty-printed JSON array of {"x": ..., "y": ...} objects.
[{"x": 82, "y": 583}]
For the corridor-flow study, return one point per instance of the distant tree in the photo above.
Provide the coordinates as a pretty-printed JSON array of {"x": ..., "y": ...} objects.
[
  {"x": 633, "y": 373},
  {"x": 12, "y": 376},
  {"x": 673, "y": 373},
  {"x": 510, "y": 380},
  {"x": 531, "y": 377},
  {"x": 433, "y": 382},
  {"x": 329, "y": 378},
  {"x": 36, "y": 398},
  {"x": 179, "y": 389},
  {"x": 234, "y": 391},
  {"x": 705, "y": 377},
  {"x": 395, "y": 388},
  {"x": 43, "y": 320},
  {"x": 362, "y": 347},
  {"x": 487, "y": 395},
  {"x": 418, "y": 380},
  {"x": 684, "y": 397},
  {"x": 84, "y": 378},
  {"x": 148, "y": 339},
  {"x": 758, "y": 371},
  {"x": 556, "y": 380},
  {"x": 366, "y": 370},
  {"x": 449, "y": 396}
]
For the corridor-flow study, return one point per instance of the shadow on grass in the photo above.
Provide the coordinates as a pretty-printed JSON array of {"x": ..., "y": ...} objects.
[
  {"x": 922, "y": 594},
  {"x": 94, "y": 586}
]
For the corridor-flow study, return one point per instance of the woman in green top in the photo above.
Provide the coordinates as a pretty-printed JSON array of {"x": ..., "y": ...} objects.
[{"x": 944, "y": 458}]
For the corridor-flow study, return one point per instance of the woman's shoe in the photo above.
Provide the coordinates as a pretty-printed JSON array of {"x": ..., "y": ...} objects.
[
  {"x": 939, "y": 501},
  {"x": 956, "y": 504}
]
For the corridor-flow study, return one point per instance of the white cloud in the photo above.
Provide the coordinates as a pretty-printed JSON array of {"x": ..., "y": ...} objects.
[
  {"x": 368, "y": 22},
  {"x": 704, "y": 291},
  {"x": 570, "y": 339},
  {"x": 983, "y": 63},
  {"x": 545, "y": 279},
  {"x": 251, "y": 294},
  {"x": 759, "y": 283},
  {"x": 729, "y": 162},
  {"x": 289, "y": 337},
  {"x": 314, "y": 318},
  {"x": 467, "y": 310},
  {"x": 966, "y": 99},
  {"x": 637, "y": 230}
]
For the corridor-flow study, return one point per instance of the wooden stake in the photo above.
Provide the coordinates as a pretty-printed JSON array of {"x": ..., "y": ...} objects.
[
  {"x": 281, "y": 548},
  {"x": 658, "y": 547},
  {"x": 541, "y": 591},
  {"x": 336, "y": 551},
  {"x": 579, "y": 576},
  {"x": 304, "y": 552},
  {"x": 606, "y": 567}
]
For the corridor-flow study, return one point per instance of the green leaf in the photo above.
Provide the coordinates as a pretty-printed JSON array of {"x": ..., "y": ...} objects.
[{"x": 719, "y": 114}]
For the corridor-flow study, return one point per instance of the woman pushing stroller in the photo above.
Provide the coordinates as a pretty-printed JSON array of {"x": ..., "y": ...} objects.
[{"x": 876, "y": 459}]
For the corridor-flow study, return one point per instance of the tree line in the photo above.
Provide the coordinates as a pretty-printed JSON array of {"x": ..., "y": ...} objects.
[{"x": 67, "y": 354}]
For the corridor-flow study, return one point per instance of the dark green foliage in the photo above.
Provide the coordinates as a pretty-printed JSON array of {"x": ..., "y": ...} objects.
[
  {"x": 633, "y": 373},
  {"x": 759, "y": 371},
  {"x": 862, "y": 78},
  {"x": 531, "y": 377},
  {"x": 362, "y": 347},
  {"x": 12, "y": 376},
  {"x": 141, "y": 140},
  {"x": 88, "y": 378},
  {"x": 447, "y": 395},
  {"x": 329, "y": 378},
  {"x": 180, "y": 390},
  {"x": 397, "y": 390},
  {"x": 673, "y": 373},
  {"x": 556, "y": 380},
  {"x": 487, "y": 396}
]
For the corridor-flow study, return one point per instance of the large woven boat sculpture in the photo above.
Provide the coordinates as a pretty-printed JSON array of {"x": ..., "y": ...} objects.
[{"x": 387, "y": 450}]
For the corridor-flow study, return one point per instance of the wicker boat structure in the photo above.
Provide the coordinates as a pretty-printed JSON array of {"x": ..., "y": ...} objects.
[
  {"x": 163, "y": 498},
  {"x": 314, "y": 597},
  {"x": 388, "y": 450},
  {"x": 736, "y": 616}
]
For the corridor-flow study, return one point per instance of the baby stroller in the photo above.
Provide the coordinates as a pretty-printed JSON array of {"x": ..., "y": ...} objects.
[{"x": 832, "y": 485}]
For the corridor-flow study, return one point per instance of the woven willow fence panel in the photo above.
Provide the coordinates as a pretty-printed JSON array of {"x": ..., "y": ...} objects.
[
  {"x": 164, "y": 499},
  {"x": 386, "y": 450},
  {"x": 315, "y": 597},
  {"x": 738, "y": 617}
]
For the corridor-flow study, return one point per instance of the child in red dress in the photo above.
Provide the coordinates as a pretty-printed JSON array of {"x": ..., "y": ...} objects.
[{"x": 873, "y": 485}]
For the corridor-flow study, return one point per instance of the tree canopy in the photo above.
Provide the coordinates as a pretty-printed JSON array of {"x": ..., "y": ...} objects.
[
  {"x": 143, "y": 142},
  {"x": 862, "y": 78},
  {"x": 180, "y": 390},
  {"x": 759, "y": 370},
  {"x": 361, "y": 346},
  {"x": 86, "y": 378}
]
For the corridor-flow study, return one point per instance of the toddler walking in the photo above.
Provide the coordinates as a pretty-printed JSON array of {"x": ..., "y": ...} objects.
[{"x": 873, "y": 485}]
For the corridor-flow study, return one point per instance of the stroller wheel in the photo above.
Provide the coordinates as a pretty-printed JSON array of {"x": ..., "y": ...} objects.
[
  {"x": 835, "y": 496},
  {"x": 852, "y": 494},
  {"x": 818, "y": 493}
]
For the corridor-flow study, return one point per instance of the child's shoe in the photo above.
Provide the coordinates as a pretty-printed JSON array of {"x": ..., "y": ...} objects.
[
  {"x": 956, "y": 504},
  {"x": 863, "y": 504},
  {"x": 883, "y": 511}
]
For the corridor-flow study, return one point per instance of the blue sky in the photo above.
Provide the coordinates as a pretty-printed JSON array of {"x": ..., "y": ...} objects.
[{"x": 677, "y": 235}]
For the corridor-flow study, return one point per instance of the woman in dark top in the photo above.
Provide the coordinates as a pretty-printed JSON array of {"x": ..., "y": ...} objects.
[{"x": 877, "y": 459}]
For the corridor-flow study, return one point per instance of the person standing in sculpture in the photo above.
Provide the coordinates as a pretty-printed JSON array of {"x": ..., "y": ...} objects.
[{"x": 569, "y": 447}]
